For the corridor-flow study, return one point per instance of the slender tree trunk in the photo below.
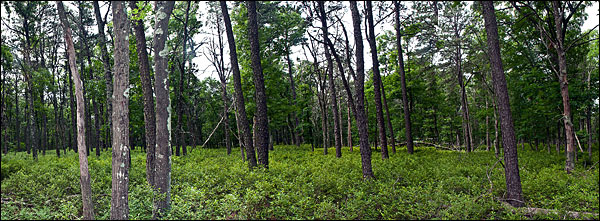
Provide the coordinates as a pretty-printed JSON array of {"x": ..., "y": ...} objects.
[
  {"x": 349, "y": 129},
  {"x": 119, "y": 206},
  {"x": 332, "y": 92},
  {"x": 86, "y": 188},
  {"x": 106, "y": 63},
  {"x": 513, "y": 180},
  {"x": 149, "y": 113},
  {"x": 365, "y": 150},
  {"x": 73, "y": 116},
  {"x": 407, "y": 122},
  {"x": 162, "y": 176},
  {"x": 17, "y": 120},
  {"x": 376, "y": 83},
  {"x": 262, "y": 139},
  {"x": 239, "y": 96},
  {"x": 293, "y": 89},
  {"x": 179, "y": 131},
  {"x": 388, "y": 119},
  {"x": 487, "y": 128}
]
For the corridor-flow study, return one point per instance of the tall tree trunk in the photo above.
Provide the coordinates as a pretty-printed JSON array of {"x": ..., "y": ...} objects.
[
  {"x": 149, "y": 113},
  {"x": 106, "y": 63},
  {"x": 513, "y": 180},
  {"x": 487, "y": 128},
  {"x": 239, "y": 96},
  {"x": 162, "y": 176},
  {"x": 86, "y": 188},
  {"x": 376, "y": 83},
  {"x": 179, "y": 131},
  {"x": 259, "y": 84},
  {"x": 73, "y": 114},
  {"x": 119, "y": 206},
  {"x": 407, "y": 123},
  {"x": 293, "y": 89},
  {"x": 332, "y": 92},
  {"x": 365, "y": 150},
  {"x": 349, "y": 129},
  {"x": 220, "y": 66},
  {"x": 388, "y": 119},
  {"x": 17, "y": 120}
]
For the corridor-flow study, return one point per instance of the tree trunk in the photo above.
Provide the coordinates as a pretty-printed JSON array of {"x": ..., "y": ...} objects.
[
  {"x": 376, "y": 84},
  {"x": 149, "y": 113},
  {"x": 293, "y": 89},
  {"x": 332, "y": 92},
  {"x": 86, "y": 188},
  {"x": 17, "y": 120},
  {"x": 73, "y": 112},
  {"x": 239, "y": 96},
  {"x": 513, "y": 180},
  {"x": 162, "y": 176},
  {"x": 349, "y": 129},
  {"x": 407, "y": 123},
  {"x": 487, "y": 128},
  {"x": 365, "y": 150},
  {"x": 106, "y": 63},
  {"x": 179, "y": 131},
  {"x": 261, "y": 98}
]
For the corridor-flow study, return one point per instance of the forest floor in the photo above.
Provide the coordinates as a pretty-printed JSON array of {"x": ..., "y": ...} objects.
[{"x": 300, "y": 184}]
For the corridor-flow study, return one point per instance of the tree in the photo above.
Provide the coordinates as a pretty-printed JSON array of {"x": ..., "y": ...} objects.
[
  {"x": 262, "y": 138},
  {"x": 509, "y": 143},
  {"x": 332, "y": 91},
  {"x": 162, "y": 179},
  {"x": 359, "y": 87},
  {"x": 86, "y": 187},
  {"x": 106, "y": 65},
  {"x": 241, "y": 117},
  {"x": 149, "y": 114},
  {"x": 407, "y": 124},
  {"x": 376, "y": 82},
  {"x": 119, "y": 206}
]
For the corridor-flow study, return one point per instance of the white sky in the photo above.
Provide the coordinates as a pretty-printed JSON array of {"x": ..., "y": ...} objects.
[{"x": 297, "y": 51}]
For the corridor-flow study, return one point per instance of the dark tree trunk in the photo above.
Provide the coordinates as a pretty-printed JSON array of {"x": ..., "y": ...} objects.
[
  {"x": 162, "y": 176},
  {"x": 106, "y": 63},
  {"x": 17, "y": 120},
  {"x": 149, "y": 114},
  {"x": 73, "y": 116},
  {"x": 239, "y": 96},
  {"x": 407, "y": 123},
  {"x": 377, "y": 83},
  {"x": 349, "y": 129},
  {"x": 332, "y": 92},
  {"x": 180, "y": 134},
  {"x": 365, "y": 150},
  {"x": 86, "y": 188},
  {"x": 262, "y": 139},
  {"x": 513, "y": 180}
]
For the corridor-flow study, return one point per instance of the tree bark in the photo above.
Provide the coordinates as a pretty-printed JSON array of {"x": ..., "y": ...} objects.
[
  {"x": 86, "y": 188},
  {"x": 262, "y": 139},
  {"x": 377, "y": 83},
  {"x": 149, "y": 113},
  {"x": 239, "y": 96},
  {"x": 365, "y": 150},
  {"x": 106, "y": 63},
  {"x": 119, "y": 206},
  {"x": 332, "y": 92},
  {"x": 162, "y": 176},
  {"x": 349, "y": 129},
  {"x": 513, "y": 180},
  {"x": 407, "y": 122}
]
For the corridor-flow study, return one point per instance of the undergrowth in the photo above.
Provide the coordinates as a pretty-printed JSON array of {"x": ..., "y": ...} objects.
[{"x": 300, "y": 184}]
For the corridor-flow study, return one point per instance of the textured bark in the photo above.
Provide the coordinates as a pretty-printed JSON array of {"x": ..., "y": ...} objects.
[
  {"x": 119, "y": 206},
  {"x": 162, "y": 178},
  {"x": 106, "y": 63},
  {"x": 407, "y": 122},
  {"x": 509, "y": 143},
  {"x": 336, "y": 117},
  {"x": 149, "y": 114},
  {"x": 241, "y": 116},
  {"x": 86, "y": 188},
  {"x": 262, "y": 139},
  {"x": 377, "y": 83},
  {"x": 365, "y": 150}
]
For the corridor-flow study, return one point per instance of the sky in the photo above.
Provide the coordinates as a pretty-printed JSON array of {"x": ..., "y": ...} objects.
[{"x": 206, "y": 69}]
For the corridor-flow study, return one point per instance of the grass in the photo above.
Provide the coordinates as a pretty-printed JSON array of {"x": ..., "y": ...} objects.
[{"x": 300, "y": 184}]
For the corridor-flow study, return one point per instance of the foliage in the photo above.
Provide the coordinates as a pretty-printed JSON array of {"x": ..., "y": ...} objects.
[{"x": 300, "y": 184}]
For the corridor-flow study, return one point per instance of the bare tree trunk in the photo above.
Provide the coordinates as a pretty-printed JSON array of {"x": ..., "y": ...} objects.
[
  {"x": 513, "y": 180},
  {"x": 332, "y": 92},
  {"x": 261, "y": 96},
  {"x": 376, "y": 84},
  {"x": 107, "y": 73},
  {"x": 149, "y": 113},
  {"x": 86, "y": 188},
  {"x": 17, "y": 120},
  {"x": 407, "y": 123},
  {"x": 119, "y": 206},
  {"x": 365, "y": 150},
  {"x": 162, "y": 176},
  {"x": 487, "y": 128},
  {"x": 349, "y": 129},
  {"x": 239, "y": 96}
]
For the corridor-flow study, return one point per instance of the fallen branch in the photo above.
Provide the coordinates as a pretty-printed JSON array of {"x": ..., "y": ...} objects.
[
  {"x": 430, "y": 144},
  {"x": 215, "y": 129}
]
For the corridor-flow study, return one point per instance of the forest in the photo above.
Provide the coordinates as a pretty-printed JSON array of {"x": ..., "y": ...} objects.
[{"x": 299, "y": 110}]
